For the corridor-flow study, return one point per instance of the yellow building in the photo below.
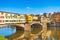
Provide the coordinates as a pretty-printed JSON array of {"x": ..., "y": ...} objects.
[
  {"x": 35, "y": 18},
  {"x": 28, "y": 18}
]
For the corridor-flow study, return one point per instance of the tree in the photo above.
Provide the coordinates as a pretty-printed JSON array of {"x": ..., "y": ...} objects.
[{"x": 3, "y": 38}]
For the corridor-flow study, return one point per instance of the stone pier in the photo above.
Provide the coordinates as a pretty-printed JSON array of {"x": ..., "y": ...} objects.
[{"x": 27, "y": 31}]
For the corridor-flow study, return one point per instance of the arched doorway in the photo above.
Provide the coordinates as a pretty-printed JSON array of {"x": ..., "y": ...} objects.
[{"x": 36, "y": 28}]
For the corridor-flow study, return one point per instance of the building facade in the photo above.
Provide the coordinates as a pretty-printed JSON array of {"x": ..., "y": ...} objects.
[
  {"x": 7, "y": 17},
  {"x": 56, "y": 18}
]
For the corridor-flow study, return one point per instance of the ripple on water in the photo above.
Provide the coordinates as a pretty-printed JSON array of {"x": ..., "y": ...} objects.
[{"x": 46, "y": 39}]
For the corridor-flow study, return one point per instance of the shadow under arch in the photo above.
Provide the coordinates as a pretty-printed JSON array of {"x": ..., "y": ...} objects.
[
  {"x": 36, "y": 28},
  {"x": 18, "y": 27}
]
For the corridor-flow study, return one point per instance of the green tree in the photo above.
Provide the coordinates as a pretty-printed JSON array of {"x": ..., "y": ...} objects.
[{"x": 3, "y": 38}]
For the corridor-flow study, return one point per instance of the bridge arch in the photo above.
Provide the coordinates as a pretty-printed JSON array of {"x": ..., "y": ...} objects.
[
  {"x": 37, "y": 22},
  {"x": 18, "y": 27},
  {"x": 36, "y": 27},
  {"x": 19, "y": 31}
]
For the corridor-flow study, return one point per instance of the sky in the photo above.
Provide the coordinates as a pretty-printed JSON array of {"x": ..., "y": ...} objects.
[{"x": 30, "y": 6}]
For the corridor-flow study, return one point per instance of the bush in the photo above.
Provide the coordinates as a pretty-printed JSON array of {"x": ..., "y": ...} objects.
[{"x": 2, "y": 37}]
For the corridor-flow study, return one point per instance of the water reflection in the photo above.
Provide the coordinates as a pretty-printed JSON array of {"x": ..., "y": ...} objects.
[
  {"x": 46, "y": 39},
  {"x": 36, "y": 28},
  {"x": 54, "y": 28},
  {"x": 7, "y": 30}
]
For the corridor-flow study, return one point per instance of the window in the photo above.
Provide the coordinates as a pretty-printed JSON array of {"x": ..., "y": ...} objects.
[
  {"x": 14, "y": 20},
  {"x": 1, "y": 16},
  {"x": 8, "y": 14},
  {"x": 2, "y": 13},
  {"x": 19, "y": 20},
  {"x": 6, "y": 20},
  {"x": 0, "y": 20}
]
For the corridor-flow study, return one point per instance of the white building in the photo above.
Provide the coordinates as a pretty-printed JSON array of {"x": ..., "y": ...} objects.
[{"x": 22, "y": 19}]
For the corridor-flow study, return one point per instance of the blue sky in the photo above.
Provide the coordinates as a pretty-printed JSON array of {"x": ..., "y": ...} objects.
[{"x": 30, "y": 6}]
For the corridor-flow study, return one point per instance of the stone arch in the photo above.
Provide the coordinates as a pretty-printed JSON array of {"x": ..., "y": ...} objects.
[
  {"x": 18, "y": 27},
  {"x": 19, "y": 32},
  {"x": 37, "y": 28},
  {"x": 37, "y": 22}
]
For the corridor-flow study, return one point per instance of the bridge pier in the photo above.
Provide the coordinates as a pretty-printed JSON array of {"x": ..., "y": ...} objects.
[{"x": 27, "y": 31}]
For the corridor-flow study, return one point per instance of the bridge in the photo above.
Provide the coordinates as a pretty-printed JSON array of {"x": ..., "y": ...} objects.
[
  {"x": 26, "y": 26},
  {"x": 21, "y": 24},
  {"x": 27, "y": 30}
]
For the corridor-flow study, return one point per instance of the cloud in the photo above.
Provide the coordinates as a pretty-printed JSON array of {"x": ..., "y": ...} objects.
[{"x": 28, "y": 8}]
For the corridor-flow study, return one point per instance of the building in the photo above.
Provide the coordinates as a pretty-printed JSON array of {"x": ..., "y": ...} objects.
[
  {"x": 22, "y": 19},
  {"x": 43, "y": 19},
  {"x": 35, "y": 17},
  {"x": 56, "y": 18},
  {"x": 45, "y": 14},
  {"x": 9, "y": 17},
  {"x": 2, "y": 17},
  {"x": 28, "y": 18}
]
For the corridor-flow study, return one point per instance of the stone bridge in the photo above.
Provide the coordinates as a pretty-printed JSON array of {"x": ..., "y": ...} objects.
[
  {"x": 26, "y": 26},
  {"x": 23, "y": 25}
]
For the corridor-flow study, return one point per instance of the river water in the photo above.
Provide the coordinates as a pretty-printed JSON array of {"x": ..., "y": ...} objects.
[
  {"x": 55, "y": 31},
  {"x": 7, "y": 30}
]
